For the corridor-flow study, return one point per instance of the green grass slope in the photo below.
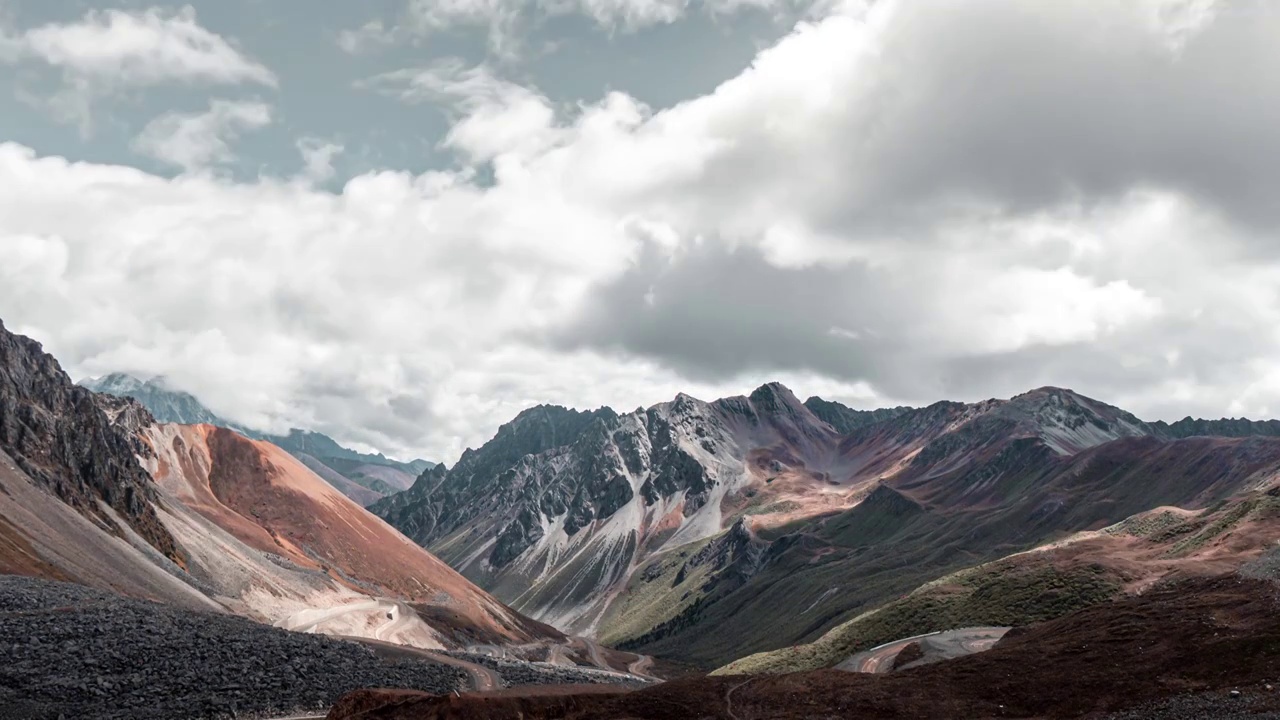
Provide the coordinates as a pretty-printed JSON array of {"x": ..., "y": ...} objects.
[{"x": 1000, "y": 593}]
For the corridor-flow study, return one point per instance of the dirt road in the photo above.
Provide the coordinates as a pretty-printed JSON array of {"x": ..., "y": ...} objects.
[
  {"x": 558, "y": 656},
  {"x": 640, "y": 667},
  {"x": 936, "y": 646},
  {"x": 593, "y": 650},
  {"x": 307, "y": 620},
  {"x": 401, "y": 616},
  {"x": 482, "y": 678}
]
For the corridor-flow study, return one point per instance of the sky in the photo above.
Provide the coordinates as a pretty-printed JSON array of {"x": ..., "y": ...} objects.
[{"x": 401, "y": 222}]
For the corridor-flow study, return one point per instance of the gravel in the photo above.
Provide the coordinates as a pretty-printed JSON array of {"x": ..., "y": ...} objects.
[
  {"x": 516, "y": 673},
  {"x": 1264, "y": 567},
  {"x": 73, "y": 652},
  {"x": 1250, "y": 705}
]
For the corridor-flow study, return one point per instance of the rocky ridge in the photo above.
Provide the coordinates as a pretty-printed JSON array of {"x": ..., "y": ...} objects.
[
  {"x": 59, "y": 436},
  {"x": 556, "y": 528}
]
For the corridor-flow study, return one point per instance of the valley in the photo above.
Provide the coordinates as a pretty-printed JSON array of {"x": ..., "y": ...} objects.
[
  {"x": 153, "y": 570},
  {"x": 640, "y": 360},
  {"x": 755, "y": 535}
]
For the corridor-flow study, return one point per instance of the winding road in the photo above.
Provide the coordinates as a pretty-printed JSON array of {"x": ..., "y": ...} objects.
[
  {"x": 593, "y": 650},
  {"x": 640, "y": 667},
  {"x": 482, "y": 678},
  {"x": 728, "y": 698},
  {"x": 399, "y": 615},
  {"x": 308, "y": 620}
]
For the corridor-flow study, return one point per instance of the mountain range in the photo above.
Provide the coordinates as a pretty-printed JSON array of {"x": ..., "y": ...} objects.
[
  {"x": 363, "y": 477},
  {"x": 708, "y": 531},
  {"x": 749, "y": 534},
  {"x": 681, "y": 529}
]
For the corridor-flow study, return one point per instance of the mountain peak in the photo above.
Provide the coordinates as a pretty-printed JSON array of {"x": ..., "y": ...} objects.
[
  {"x": 1070, "y": 422},
  {"x": 116, "y": 383},
  {"x": 1047, "y": 391},
  {"x": 773, "y": 394}
]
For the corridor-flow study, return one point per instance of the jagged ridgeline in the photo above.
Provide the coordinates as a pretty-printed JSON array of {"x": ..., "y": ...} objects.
[{"x": 706, "y": 531}]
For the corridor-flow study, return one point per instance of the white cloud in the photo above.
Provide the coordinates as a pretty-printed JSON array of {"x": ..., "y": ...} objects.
[
  {"x": 1181, "y": 20},
  {"x": 317, "y": 158},
  {"x": 625, "y": 14},
  {"x": 902, "y": 202},
  {"x": 196, "y": 141},
  {"x": 505, "y": 20},
  {"x": 494, "y": 117},
  {"x": 372, "y": 35},
  {"x": 109, "y": 50}
]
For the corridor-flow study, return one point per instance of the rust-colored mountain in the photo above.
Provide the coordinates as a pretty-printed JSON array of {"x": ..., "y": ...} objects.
[{"x": 93, "y": 490}]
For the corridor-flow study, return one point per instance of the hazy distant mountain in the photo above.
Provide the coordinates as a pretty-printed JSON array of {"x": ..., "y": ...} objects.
[
  {"x": 369, "y": 477},
  {"x": 166, "y": 404}
]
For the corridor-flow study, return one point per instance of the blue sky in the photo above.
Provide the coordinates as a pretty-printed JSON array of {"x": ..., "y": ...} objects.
[
  {"x": 402, "y": 222},
  {"x": 570, "y": 57}
]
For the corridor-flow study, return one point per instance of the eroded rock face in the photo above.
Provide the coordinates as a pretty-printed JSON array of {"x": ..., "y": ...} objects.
[
  {"x": 60, "y": 436},
  {"x": 572, "y": 501},
  {"x": 485, "y": 478}
]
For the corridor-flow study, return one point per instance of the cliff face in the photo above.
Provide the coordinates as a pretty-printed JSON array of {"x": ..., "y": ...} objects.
[{"x": 60, "y": 436}]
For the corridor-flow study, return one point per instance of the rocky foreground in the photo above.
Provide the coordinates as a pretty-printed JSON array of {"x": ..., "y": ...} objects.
[{"x": 73, "y": 652}]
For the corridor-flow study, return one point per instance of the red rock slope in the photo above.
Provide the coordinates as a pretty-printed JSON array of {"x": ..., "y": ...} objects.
[
  {"x": 269, "y": 501},
  {"x": 93, "y": 491}
]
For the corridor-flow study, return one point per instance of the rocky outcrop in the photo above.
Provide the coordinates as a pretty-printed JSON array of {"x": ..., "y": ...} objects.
[
  {"x": 433, "y": 507},
  {"x": 735, "y": 556},
  {"x": 60, "y": 436}
]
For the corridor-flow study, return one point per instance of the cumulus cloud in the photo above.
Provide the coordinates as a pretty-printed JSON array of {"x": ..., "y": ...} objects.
[
  {"x": 110, "y": 50},
  {"x": 196, "y": 141},
  {"x": 493, "y": 117},
  {"x": 897, "y": 202}
]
